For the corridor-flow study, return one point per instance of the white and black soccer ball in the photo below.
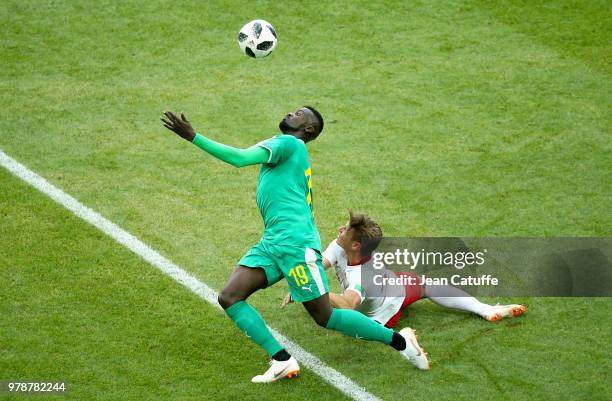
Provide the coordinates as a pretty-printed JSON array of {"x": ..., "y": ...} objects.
[{"x": 257, "y": 38}]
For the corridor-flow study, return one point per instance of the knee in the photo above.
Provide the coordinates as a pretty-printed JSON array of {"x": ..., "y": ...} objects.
[
  {"x": 227, "y": 298},
  {"x": 322, "y": 317}
]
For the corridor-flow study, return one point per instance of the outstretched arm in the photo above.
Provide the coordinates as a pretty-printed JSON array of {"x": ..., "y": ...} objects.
[
  {"x": 234, "y": 156},
  {"x": 348, "y": 300}
]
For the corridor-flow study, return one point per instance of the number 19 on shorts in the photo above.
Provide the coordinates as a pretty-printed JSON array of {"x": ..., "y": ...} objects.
[{"x": 299, "y": 275}]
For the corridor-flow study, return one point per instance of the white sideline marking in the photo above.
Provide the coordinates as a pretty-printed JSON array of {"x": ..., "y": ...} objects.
[{"x": 330, "y": 375}]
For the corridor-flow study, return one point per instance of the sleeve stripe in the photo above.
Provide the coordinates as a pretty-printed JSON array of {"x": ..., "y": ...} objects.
[{"x": 268, "y": 149}]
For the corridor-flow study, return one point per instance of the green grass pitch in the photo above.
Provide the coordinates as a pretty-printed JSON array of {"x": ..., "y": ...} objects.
[{"x": 443, "y": 118}]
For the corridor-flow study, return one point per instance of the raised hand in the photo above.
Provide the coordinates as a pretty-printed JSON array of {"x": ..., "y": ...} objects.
[{"x": 181, "y": 126}]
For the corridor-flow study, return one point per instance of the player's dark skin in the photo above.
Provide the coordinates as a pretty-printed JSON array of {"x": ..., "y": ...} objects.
[{"x": 244, "y": 281}]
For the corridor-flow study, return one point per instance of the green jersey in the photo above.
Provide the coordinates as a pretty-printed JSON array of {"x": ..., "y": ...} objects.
[{"x": 284, "y": 194}]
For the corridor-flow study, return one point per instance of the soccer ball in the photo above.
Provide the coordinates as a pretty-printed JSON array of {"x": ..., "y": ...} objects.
[{"x": 257, "y": 38}]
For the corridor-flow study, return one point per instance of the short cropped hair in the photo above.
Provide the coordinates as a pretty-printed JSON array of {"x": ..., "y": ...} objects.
[
  {"x": 366, "y": 231},
  {"x": 319, "y": 117}
]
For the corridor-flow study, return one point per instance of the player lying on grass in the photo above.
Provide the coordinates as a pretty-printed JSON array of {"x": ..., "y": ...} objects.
[
  {"x": 290, "y": 246},
  {"x": 347, "y": 253}
]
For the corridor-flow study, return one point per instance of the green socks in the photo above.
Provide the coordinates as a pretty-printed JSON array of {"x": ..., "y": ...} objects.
[
  {"x": 356, "y": 324},
  {"x": 253, "y": 325},
  {"x": 346, "y": 321}
]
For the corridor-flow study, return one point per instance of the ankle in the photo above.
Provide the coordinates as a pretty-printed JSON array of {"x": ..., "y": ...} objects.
[{"x": 281, "y": 355}]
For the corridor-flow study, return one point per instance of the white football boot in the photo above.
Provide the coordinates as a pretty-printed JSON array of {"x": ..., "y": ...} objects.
[
  {"x": 413, "y": 352},
  {"x": 498, "y": 312},
  {"x": 278, "y": 370}
]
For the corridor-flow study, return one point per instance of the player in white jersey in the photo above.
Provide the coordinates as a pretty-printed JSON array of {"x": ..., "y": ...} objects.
[
  {"x": 345, "y": 255},
  {"x": 381, "y": 306}
]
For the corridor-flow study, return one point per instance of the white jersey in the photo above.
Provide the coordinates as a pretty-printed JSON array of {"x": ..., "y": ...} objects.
[{"x": 378, "y": 307}]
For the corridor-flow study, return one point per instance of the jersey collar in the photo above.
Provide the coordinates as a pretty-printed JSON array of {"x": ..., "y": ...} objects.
[{"x": 362, "y": 261}]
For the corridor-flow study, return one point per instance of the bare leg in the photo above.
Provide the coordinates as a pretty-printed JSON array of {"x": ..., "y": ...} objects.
[
  {"x": 243, "y": 282},
  {"x": 320, "y": 309}
]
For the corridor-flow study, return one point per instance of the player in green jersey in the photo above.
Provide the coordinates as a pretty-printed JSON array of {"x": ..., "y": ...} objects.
[{"x": 290, "y": 246}]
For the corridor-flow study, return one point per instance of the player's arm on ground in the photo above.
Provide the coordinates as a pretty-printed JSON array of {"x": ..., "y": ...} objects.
[
  {"x": 234, "y": 156},
  {"x": 347, "y": 300}
]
